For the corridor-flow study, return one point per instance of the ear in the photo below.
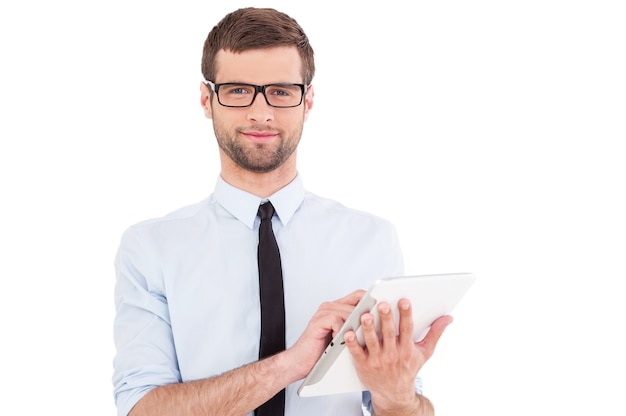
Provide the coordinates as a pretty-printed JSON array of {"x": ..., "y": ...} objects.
[
  {"x": 308, "y": 101},
  {"x": 205, "y": 100}
]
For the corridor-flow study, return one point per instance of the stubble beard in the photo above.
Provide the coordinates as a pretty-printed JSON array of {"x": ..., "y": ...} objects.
[{"x": 258, "y": 157}]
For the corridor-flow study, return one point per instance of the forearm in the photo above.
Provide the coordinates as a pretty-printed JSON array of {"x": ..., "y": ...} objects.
[
  {"x": 236, "y": 392},
  {"x": 419, "y": 406}
]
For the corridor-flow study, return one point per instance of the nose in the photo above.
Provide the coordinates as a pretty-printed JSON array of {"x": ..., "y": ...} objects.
[{"x": 260, "y": 111}]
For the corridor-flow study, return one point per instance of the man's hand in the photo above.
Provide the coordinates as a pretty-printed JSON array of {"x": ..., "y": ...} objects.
[
  {"x": 388, "y": 365},
  {"x": 322, "y": 327}
]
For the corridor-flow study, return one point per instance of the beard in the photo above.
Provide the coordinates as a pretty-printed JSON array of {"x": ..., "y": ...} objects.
[{"x": 257, "y": 157}]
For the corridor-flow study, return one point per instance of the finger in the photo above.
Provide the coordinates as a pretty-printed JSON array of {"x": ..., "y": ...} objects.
[
  {"x": 434, "y": 333},
  {"x": 341, "y": 308},
  {"x": 358, "y": 352},
  {"x": 405, "y": 323},
  {"x": 387, "y": 325},
  {"x": 352, "y": 298},
  {"x": 370, "y": 337},
  {"x": 332, "y": 315},
  {"x": 336, "y": 324}
]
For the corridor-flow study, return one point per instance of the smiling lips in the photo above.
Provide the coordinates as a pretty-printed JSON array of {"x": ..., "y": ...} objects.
[{"x": 260, "y": 136}]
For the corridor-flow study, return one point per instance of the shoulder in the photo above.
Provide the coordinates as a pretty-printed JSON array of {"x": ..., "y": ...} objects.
[
  {"x": 331, "y": 206},
  {"x": 188, "y": 217},
  {"x": 329, "y": 210},
  {"x": 369, "y": 242}
]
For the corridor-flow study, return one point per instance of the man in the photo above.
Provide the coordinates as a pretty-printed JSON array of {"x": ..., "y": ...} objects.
[{"x": 187, "y": 295}]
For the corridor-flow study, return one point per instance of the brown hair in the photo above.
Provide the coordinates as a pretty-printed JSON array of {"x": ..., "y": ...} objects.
[{"x": 256, "y": 28}]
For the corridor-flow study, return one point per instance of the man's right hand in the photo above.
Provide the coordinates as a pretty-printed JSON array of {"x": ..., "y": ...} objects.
[{"x": 323, "y": 326}]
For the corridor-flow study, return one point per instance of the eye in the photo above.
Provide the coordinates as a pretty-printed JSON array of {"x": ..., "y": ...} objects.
[
  {"x": 283, "y": 91},
  {"x": 237, "y": 89},
  {"x": 279, "y": 91}
]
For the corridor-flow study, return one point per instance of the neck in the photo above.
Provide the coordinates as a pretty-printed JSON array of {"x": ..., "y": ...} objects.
[{"x": 260, "y": 184}]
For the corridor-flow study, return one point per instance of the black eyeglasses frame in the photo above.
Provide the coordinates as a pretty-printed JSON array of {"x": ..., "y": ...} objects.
[{"x": 257, "y": 89}]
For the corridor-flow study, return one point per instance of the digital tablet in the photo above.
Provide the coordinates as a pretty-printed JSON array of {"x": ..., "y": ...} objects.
[{"x": 431, "y": 296}]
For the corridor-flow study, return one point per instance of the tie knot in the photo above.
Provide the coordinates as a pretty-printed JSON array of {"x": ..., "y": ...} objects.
[{"x": 266, "y": 211}]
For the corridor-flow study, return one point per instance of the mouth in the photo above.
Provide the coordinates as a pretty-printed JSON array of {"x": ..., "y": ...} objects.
[{"x": 260, "y": 136}]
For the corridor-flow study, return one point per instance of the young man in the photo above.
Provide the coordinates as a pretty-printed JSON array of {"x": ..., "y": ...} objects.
[{"x": 188, "y": 321}]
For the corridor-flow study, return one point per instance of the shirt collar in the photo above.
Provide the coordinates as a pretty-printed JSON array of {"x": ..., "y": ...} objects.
[{"x": 244, "y": 206}]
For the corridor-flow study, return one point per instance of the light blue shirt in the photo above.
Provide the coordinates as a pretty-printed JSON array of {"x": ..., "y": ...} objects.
[{"x": 187, "y": 291}]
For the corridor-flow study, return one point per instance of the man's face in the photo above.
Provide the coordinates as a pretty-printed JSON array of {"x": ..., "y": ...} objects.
[{"x": 258, "y": 138}]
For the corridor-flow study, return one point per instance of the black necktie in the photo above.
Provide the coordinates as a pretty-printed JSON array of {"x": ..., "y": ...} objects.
[{"x": 272, "y": 303}]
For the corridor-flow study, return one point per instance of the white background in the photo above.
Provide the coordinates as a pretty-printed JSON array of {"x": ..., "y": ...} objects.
[{"x": 490, "y": 132}]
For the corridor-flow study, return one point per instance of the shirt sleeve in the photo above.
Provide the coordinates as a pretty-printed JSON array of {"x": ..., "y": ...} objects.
[{"x": 145, "y": 356}]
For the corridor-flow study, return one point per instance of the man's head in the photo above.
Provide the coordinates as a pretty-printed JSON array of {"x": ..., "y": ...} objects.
[
  {"x": 256, "y": 28},
  {"x": 258, "y": 66}
]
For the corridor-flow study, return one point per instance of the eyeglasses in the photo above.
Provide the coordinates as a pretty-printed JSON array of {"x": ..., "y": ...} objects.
[{"x": 232, "y": 94}]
